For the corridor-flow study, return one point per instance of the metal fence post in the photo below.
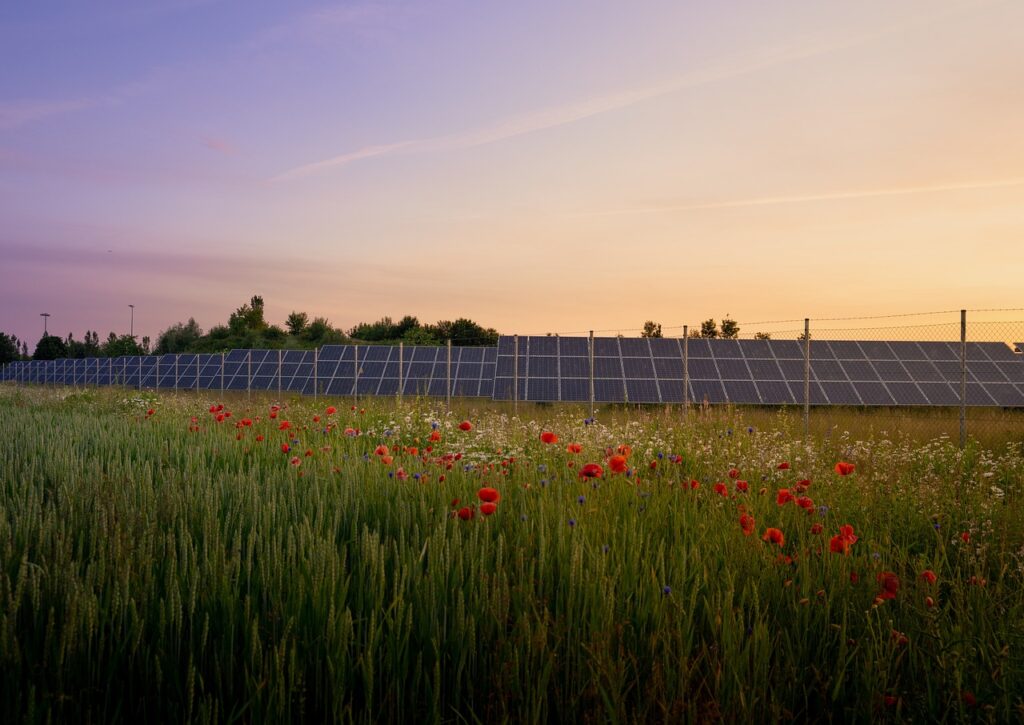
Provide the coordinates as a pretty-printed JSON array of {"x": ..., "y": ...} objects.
[
  {"x": 963, "y": 378},
  {"x": 197, "y": 373},
  {"x": 316, "y": 372},
  {"x": 248, "y": 375},
  {"x": 355, "y": 382},
  {"x": 176, "y": 372},
  {"x": 686, "y": 370},
  {"x": 807, "y": 377},
  {"x": 590, "y": 353},
  {"x": 515, "y": 374},
  {"x": 448, "y": 379},
  {"x": 279, "y": 364},
  {"x": 401, "y": 356},
  {"x": 140, "y": 373},
  {"x": 222, "y": 374}
]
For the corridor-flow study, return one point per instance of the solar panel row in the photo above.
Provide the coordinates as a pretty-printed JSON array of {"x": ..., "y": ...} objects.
[{"x": 769, "y": 372}]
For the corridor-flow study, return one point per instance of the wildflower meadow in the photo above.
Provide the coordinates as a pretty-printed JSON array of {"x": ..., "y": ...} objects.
[{"x": 186, "y": 558}]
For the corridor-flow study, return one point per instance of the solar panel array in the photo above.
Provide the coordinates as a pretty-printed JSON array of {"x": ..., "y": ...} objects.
[
  {"x": 636, "y": 370},
  {"x": 760, "y": 372}
]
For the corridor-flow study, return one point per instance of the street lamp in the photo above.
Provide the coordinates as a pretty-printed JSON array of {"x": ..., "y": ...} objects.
[
  {"x": 131, "y": 330},
  {"x": 44, "y": 315}
]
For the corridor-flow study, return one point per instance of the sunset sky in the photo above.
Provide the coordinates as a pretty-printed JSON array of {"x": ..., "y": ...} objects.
[{"x": 536, "y": 166}]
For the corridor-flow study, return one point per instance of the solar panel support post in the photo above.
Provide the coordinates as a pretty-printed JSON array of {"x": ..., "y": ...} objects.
[
  {"x": 222, "y": 374},
  {"x": 515, "y": 374},
  {"x": 590, "y": 354},
  {"x": 807, "y": 377},
  {"x": 176, "y": 372},
  {"x": 448, "y": 379},
  {"x": 963, "y": 378},
  {"x": 248, "y": 375},
  {"x": 140, "y": 372},
  {"x": 686, "y": 370},
  {"x": 110, "y": 371},
  {"x": 355, "y": 378},
  {"x": 316, "y": 371},
  {"x": 279, "y": 373},
  {"x": 401, "y": 354}
]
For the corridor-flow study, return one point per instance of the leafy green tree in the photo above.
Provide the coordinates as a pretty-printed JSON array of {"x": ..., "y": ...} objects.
[
  {"x": 50, "y": 347},
  {"x": 248, "y": 318},
  {"x": 651, "y": 329},
  {"x": 708, "y": 328},
  {"x": 730, "y": 330},
  {"x": 296, "y": 322},
  {"x": 464, "y": 332},
  {"x": 116, "y": 346},
  {"x": 178, "y": 338},
  {"x": 762, "y": 336},
  {"x": 9, "y": 351},
  {"x": 420, "y": 336}
]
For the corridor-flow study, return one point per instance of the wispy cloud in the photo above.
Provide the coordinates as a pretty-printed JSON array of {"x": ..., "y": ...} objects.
[
  {"x": 18, "y": 113},
  {"x": 581, "y": 109},
  {"x": 220, "y": 145},
  {"x": 806, "y": 198}
]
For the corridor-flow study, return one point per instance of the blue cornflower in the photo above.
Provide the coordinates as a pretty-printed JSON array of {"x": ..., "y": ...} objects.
[
  {"x": 416, "y": 476},
  {"x": 666, "y": 590},
  {"x": 435, "y": 425},
  {"x": 604, "y": 549},
  {"x": 542, "y": 468},
  {"x": 822, "y": 510},
  {"x": 572, "y": 522},
  {"x": 581, "y": 499}
]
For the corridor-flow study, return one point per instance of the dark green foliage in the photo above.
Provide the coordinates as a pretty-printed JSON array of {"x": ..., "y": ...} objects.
[{"x": 50, "y": 347}]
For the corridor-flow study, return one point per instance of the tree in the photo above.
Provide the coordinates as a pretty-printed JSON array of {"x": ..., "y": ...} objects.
[
  {"x": 762, "y": 336},
  {"x": 708, "y": 328},
  {"x": 464, "y": 332},
  {"x": 297, "y": 322},
  {"x": 248, "y": 318},
  {"x": 651, "y": 329},
  {"x": 8, "y": 348},
  {"x": 178, "y": 338},
  {"x": 730, "y": 330},
  {"x": 50, "y": 347},
  {"x": 116, "y": 346}
]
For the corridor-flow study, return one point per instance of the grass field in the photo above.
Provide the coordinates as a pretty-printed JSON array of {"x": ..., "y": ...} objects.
[{"x": 158, "y": 564}]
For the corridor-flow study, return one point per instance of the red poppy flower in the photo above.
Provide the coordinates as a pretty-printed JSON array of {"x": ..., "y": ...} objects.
[
  {"x": 625, "y": 450},
  {"x": 965, "y": 536},
  {"x": 591, "y": 470},
  {"x": 488, "y": 494},
  {"x": 841, "y": 542},
  {"x": 618, "y": 464},
  {"x": 721, "y": 490},
  {"x": 783, "y": 466},
  {"x": 309, "y": 452},
  {"x": 387, "y": 460},
  {"x": 742, "y": 486},
  {"x": 929, "y": 576},
  {"x": 805, "y": 503},
  {"x": 285, "y": 425},
  {"x": 548, "y": 437},
  {"x": 331, "y": 410},
  {"x": 150, "y": 411},
  {"x": 296, "y": 461},
  {"x": 747, "y": 524},
  {"x": 694, "y": 484},
  {"x": 816, "y": 529},
  {"x": 259, "y": 437},
  {"x": 890, "y": 584},
  {"x": 380, "y": 450},
  {"x": 285, "y": 448},
  {"x": 773, "y": 536},
  {"x": 574, "y": 448},
  {"x": 488, "y": 508},
  {"x": 734, "y": 473},
  {"x": 784, "y": 497},
  {"x": 465, "y": 425},
  {"x": 273, "y": 414},
  {"x": 435, "y": 436},
  {"x": 465, "y": 513},
  {"x": 969, "y": 699},
  {"x": 213, "y": 408},
  {"x": 316, "y": 418},
  {"x": 844, "y": 469}
]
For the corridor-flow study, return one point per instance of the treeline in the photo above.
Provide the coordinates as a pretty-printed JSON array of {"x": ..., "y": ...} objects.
[
  {"x": 730, "y": 330},
  {"x": 247, "y": 328}
]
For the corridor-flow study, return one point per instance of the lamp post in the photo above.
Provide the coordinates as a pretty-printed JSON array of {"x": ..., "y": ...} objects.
[
  {"x": 131, "y": 330},
  {"x": 45, "y": 316}
]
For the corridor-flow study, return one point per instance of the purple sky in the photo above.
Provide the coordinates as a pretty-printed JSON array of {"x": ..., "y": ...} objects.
[{"x": 536, "y": 166}]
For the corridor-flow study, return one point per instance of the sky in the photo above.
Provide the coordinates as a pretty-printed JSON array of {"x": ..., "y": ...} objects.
[{"x": 535, "y": 166}]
